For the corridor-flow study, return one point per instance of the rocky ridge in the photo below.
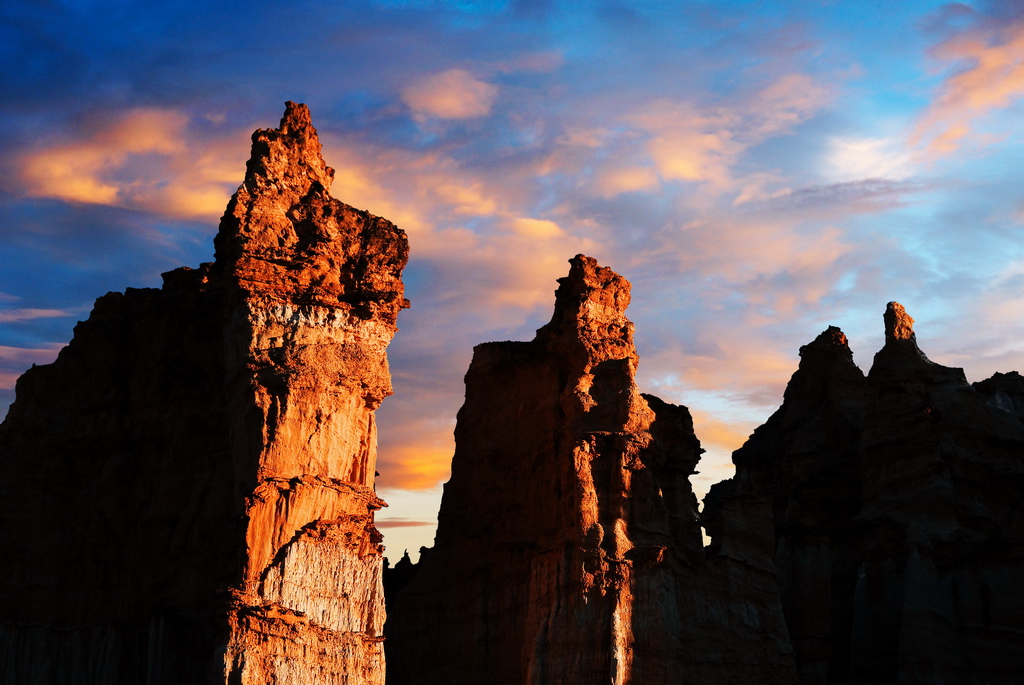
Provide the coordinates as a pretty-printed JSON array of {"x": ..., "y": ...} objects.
[
  {"x": 872, "y": 533},
  {"x": 896, "y": 514},
  {"x": 186, "y": 494}
]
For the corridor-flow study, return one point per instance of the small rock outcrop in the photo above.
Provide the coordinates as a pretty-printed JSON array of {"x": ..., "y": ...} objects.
[
  {"x": 897, "y": 505},
  {"x": 568, "y": 547},
  {"x": 186, "y": 493}
]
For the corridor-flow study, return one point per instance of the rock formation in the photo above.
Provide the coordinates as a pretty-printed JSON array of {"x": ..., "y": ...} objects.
[
  {"x": 186, "y": 494},
  {"x": 897, "y": 506},
  {"x": 568, "y": 547}
]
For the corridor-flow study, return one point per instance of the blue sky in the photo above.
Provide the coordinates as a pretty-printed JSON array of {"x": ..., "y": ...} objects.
[{"x": 758, "y": 170}]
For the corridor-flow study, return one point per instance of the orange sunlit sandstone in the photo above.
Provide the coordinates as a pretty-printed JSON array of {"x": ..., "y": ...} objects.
[{"x": 188, "y": 491}]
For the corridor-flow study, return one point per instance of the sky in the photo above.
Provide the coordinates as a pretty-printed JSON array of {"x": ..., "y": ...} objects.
[{"x": 757, "y": 170}]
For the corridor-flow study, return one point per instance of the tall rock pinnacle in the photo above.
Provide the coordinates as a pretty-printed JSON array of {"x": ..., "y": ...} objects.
[
  {"x": 186, "y": 494},
  {"x": 568, "y": 533},
  {"x": 898, "y": 324}
]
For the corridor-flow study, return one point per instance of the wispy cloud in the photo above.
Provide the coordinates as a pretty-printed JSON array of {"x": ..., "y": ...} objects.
[
  {"x": 403, "y": 523},
  {"x": 986, "y": 63},
  {"x": 15, "y": 315}
]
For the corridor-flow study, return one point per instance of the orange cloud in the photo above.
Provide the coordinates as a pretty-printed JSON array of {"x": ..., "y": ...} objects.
[
  {"x": 686, "y": 144},
  {"x": 401, "y": 523},
  {"x": 452, "y": 94},
  {"x": 626, "y": 179},
  {"x": 413, "y": 466},
  {"x": 989, "y": 75},
  {"x": 138, "y": 159},
  {"x": 721, "y": 434},
  {"x": 701, "y": 144},
  {"x": 469, "y": 199}
]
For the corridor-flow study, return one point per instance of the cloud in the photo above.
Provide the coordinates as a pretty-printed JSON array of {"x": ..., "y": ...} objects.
[
  {"x": 851, "y": 197},
  {"x": 853, "y": 159},
  {"x": 15, "y": 315},
  {"x": 402, "y": 523},
  {"x": 144, "y": 158},
  {"x": 614, "y": 180},
  {"x": 696, "y": 142},
  {"x": 451, "y": 94},
  {"x": 987, "y": 74},
  {"x": 714, "y": 432},
  {"x": 415, "y": 461}
]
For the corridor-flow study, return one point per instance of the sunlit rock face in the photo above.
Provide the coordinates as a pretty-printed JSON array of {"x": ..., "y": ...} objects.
[
  {"x": 186, "y": 494},
  {"x": 568, "y": 548},
  {"x": 897, "y": 505}
]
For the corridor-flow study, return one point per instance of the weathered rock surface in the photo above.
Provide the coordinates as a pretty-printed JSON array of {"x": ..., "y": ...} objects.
[
  {"x": 186, "y": 494},
  {"x": 898, "y": 513},
  {"x": 568, "y": 547}
]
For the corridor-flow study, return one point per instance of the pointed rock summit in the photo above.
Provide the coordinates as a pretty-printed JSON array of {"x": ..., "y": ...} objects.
[
  {"x": 899, "y": 326},
  {"x": 186, "y": 494}
]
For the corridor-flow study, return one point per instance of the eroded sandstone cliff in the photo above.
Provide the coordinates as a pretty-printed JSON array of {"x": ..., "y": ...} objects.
[
  {"x": 568, "y": 547},
  {"x": 186, "y": 494}
]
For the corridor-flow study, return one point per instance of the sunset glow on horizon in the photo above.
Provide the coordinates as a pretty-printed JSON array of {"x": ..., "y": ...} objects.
[{"x": 758, "y": 171}]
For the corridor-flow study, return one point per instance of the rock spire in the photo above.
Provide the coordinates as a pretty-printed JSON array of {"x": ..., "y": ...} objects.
[
  {"x": 186, "y": 494},
  {"x": 568, "y": 540},
  {"x": 898, "y": 324}
]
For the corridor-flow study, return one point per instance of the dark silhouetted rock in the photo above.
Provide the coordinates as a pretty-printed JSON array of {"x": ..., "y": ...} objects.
[{"x": 898, "y": 514}]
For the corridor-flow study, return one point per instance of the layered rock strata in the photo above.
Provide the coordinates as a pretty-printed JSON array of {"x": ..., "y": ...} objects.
[
  {"x": 897, "y": 505},
  {"x": 568, "y": 547},
  {"x": 186, "y": 494}
]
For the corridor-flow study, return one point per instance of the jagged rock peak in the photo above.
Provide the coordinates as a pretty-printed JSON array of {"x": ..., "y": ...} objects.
[
  {"x": 590, "y": 305},
  {"x": 284, "y": 238},
  {"x": 288, "y": 157},
  {"x": 898, "y": 324},
  {"x": 830, "y": 342}
]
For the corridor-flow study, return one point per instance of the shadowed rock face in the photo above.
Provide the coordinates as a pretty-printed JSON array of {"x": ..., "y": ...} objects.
[
  {"x": 568, "y": 546},
  {"x": 942, "y": 554},
  {"x": 898, "y": 515},
  {"x": 186, "y": 494},
  {"x": 798, "y": 475}
]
